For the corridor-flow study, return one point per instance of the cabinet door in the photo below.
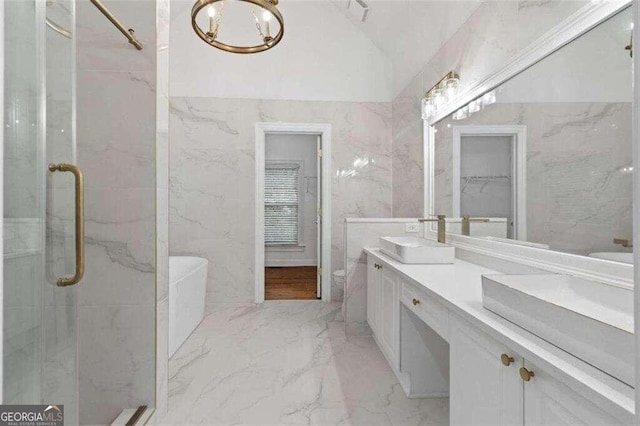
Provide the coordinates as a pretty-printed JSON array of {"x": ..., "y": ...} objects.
[
  {"x": 547, "y": 401},
  {"x": 389, "y": 316},
  {"x": 483, "y": 391},
  {"x": 373, "y": 288}
]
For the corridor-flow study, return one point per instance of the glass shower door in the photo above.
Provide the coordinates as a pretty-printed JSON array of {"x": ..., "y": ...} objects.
[{"x": 39, "y": 335}]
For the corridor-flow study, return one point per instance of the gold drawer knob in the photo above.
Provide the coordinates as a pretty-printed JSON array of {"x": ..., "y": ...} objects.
[
  {"x": 506, "y": 360},
  {"x": 416, "y": 302},
  {"x": 526, "y": 374}
]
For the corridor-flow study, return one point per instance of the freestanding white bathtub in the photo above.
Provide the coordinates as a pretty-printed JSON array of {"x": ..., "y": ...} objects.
[{"x": 187, "y": 290}]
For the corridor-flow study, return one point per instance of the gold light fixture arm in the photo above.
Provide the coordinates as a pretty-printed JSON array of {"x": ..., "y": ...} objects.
[
  {"x": 128, "y": 33},
  {"x": 79, "y": 217}
]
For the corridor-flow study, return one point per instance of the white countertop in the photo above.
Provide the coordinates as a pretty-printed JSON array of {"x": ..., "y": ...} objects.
[{"x": 459, "y": 287}]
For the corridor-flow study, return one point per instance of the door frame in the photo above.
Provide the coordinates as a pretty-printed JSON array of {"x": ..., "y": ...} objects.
[
  {"x": 519, "y": 168},
  {"x": 324, "y": 131}
]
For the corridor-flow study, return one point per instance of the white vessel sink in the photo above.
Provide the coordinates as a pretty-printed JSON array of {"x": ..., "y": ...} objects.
[
  {"x": 416, "y": 250},
  {"x": 590, "y": 320}
]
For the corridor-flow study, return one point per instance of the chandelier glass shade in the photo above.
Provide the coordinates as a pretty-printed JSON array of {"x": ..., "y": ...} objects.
[{"x": 238, "y": 26}]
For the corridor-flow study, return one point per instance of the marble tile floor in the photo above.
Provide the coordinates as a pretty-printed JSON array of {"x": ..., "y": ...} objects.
[{"x": 287, "y": 363}]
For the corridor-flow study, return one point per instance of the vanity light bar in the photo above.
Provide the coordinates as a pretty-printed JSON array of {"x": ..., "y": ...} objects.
[{"x": 441, "y": 93}]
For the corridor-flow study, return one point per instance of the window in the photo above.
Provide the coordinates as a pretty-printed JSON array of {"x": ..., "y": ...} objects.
[{"x": 281, "y": 204}]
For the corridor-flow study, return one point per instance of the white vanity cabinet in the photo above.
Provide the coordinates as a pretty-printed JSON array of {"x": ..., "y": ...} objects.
[
  {"x": 373, "y": 289},
  {"x": 383, "y": 309},
  {"x": 389, "y": 316},
  {"x": 488, "y": 387},
  {"x": 436, "y": 348},
  {"x": 485, "y": 387},
  {"x": 548, "y": 402}
]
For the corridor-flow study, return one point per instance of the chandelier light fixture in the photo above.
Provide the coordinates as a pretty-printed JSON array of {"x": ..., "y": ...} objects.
[
  {"x": 250, "y": 26},
  {"x": 440, "y": 94}
]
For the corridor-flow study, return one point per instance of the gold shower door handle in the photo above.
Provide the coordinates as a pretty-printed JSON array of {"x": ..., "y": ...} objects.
[{"x": 79, "y": 217}]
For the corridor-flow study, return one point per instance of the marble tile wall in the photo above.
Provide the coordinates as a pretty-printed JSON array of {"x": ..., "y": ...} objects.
[
  {"x": 116, "y": 125},
  {"x": 494, "y": 34},
  {"x": 578, "y": 200},
  {"x": 212, "y": 178},
  {"x": 358, "y": 235}
]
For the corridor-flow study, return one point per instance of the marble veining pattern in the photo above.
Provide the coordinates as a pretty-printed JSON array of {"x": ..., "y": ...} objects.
[
  {"x": 212, "y": 180},
  {"x": 287, "y": 363},
  {"x": 116, "y": 148}
]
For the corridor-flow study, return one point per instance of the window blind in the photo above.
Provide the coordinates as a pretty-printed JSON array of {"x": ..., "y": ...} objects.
[{"x": 281, "y": 199}]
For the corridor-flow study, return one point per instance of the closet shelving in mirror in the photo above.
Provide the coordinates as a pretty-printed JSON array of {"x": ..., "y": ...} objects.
[{"x": 486, "y": 179}]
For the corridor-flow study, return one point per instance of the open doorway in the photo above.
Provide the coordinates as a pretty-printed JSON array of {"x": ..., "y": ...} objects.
[
  {"x": 489, "y": 174},
  {"x": 292, "y": 212},
  {"x": 291, "y": 216}
]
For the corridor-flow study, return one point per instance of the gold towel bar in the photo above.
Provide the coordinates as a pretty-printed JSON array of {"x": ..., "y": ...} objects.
[{"x": 128, "y": 33}]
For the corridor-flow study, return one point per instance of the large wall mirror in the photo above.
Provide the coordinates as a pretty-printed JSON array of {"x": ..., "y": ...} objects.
[{"x": 545, "y": 159}]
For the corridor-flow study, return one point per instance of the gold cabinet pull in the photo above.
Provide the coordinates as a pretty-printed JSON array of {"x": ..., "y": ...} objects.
[
  {"x": 526, "y": 374},
  {"x": 79, "y": 216},
  {"x": 506, "y": 360},
  {"x": 416, "y": 302}
]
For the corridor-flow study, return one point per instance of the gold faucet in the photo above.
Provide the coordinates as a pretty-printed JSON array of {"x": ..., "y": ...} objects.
[
  {"x": 623, "y": 242},
  {"x": 442, "y": 224},
  {"x": 466, "y": 224}
]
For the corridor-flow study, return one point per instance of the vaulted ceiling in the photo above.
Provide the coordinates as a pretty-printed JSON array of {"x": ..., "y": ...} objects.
[
  {"x": 408, "y": 32},
  {"x": 328, "y": 52}
]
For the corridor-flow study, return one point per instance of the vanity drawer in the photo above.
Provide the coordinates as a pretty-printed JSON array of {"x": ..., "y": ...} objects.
[{"x": 426, "y": 308}]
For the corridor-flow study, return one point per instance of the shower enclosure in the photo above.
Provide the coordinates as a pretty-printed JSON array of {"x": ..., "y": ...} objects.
[
  {"x": 39, "y": 316},
  {"x": 78, "y": 323}
]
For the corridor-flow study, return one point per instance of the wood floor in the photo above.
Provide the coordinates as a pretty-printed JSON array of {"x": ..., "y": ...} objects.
[{"x": 289, "y": 283}]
